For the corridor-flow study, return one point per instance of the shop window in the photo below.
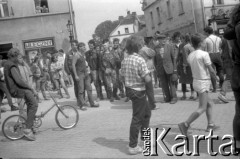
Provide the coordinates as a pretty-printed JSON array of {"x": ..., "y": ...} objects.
[
  {"x": 159, "y": 16},
  {"x": 126, "y": 30},
  {"x": 169, "y": 9},
  {"x": 41, "y": 6},
  {"x": 180, "y": 4},
  {"x": 4, "y": 9},
  {"x": 152, "y": 21}
]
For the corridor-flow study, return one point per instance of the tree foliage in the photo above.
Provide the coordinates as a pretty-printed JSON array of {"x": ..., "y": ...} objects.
[{"x": 104, "y": 29}]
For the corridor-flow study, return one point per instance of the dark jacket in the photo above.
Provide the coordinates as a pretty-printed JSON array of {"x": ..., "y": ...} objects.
[
  {"x": 168, "y": 57},
  {"x": 92, "y": 59}
]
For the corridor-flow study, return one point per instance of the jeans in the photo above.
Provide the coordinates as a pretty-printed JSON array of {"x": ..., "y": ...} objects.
[
  {"x": 31, "y": 103},
  {"x": 111, "y": 78},
  {"x": 120, "y": 83},
  {"x": 235, "y": 83},
  {"x": 84, "y": 83},
  {"x": 218, "y": 64},
  {"x": 96, "y": 81},
  {"x": 4, "y": 89},
  {"x": 150, "y": 95},
  {"x": 140, "y": 116}
]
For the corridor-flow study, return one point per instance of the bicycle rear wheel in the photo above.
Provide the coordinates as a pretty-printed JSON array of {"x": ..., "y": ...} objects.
[
  {"x": 13, "y": 126},
  {"x": 67, "y": 117}
]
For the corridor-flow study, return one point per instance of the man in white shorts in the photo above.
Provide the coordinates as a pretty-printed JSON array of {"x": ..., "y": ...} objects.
[{"x": 202, "y": 72}]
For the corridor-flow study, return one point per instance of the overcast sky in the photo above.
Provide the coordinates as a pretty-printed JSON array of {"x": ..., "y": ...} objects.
[{"x": 90, "y": 13}]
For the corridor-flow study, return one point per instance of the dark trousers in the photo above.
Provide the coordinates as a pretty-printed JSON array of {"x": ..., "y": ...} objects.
[
  {"x": 140, "y": 116},
  {"x": 97, "y": 83},
  {"x": 150, "y": 95},
  {"x": 31, "y": 103},
  {"x": 120, "y": 83},
  {"x": 4, "y": 89},
  {"x": 75, "y": 83},
  {"x": 218, "y": 64},
  {"x": 184, "y": 87},
  {"x": 168, "y": 86},
  {"x": 84, "y": 83},
  {"x": 235, "y": 83}
]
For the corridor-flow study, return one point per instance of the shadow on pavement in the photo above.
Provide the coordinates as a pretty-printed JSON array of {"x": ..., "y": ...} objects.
[{"x": 118, "y": 144}]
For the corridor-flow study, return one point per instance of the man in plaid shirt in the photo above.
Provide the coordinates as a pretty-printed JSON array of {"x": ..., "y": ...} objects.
[{"x": 136, "y": 75}]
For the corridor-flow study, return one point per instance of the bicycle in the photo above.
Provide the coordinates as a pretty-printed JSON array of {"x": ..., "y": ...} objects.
[{"x": 66, "y": 117}]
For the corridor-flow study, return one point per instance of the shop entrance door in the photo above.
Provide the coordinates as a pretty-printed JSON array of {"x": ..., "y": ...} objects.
[{"x": 4, "y": 48}]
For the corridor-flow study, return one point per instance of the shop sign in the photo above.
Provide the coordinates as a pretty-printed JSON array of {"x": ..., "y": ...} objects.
[{"x": 37, "y": 44}]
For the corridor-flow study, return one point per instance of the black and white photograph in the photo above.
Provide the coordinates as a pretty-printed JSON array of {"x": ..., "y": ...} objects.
[{"x": 120, "y": 79}]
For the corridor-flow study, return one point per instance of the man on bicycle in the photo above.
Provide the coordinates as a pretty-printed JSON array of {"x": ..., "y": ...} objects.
[{"x": 20, "y": 89}]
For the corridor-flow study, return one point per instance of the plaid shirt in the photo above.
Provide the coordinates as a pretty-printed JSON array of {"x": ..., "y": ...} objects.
[{"x": 134, "y": 69}]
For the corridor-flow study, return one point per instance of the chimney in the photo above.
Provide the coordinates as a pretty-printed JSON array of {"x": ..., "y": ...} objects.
[
  {"x": 120, "y": 18},
  {"x": 134, "y": 13},
  {"x": 128, "y": 13}
]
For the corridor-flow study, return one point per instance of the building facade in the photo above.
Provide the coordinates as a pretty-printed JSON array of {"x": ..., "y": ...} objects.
[
  {"x": 34, "y": 26},
  {"x": 128, "y": 25},
  {"x": 186, "y": 16}
]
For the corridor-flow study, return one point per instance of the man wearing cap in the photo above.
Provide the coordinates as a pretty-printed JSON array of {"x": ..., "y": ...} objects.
[{"x": 165, "y": 62}]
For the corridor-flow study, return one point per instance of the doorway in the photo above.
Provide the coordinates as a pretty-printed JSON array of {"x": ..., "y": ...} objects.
[{"x": 4, "y": 48}]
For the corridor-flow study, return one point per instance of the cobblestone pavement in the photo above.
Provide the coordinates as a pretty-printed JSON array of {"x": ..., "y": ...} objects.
[{"x": 103, "y": 132}]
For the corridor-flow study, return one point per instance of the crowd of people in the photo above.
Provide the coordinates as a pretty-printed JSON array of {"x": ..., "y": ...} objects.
[{"x": 128, "y": 69}]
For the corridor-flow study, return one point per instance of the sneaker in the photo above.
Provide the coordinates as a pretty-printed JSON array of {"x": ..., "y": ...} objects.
[
  {"x": 173, "y": 101},
  {"x": 68, "y": 97},
  {"x": 117, "y": 97},
  {"x": 29, "y": 134},
  {"x": 183, "y": 128},
  {"x": 95, "y": 105},
  {"x": 136, "y": 150},
  {"x": 112, "y": 99},
  {"x": 212, "y": 127},
  {"x": 14, "y": 108},
  {"x": 223, "y": 98},
  {"x": 127, "y": 100},
  {"x": 83, "y": 108},
  {"x": 3, "y": 110}
]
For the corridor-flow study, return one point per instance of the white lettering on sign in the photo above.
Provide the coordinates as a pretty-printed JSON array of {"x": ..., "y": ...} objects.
[{"x": 35, "y": 44}]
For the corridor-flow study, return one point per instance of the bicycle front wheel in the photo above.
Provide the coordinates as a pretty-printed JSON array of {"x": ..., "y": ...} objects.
[
  {"x": 13, "y": 126},
  {"x": 67, "y": 117}
]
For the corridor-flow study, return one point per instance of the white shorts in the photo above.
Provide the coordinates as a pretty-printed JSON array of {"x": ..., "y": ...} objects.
[{"x": 201, "y": 86}]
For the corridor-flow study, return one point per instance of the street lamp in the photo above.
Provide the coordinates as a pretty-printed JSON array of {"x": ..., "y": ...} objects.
[
  {"x": 213, "y": 19},
  {"x": 70, "y": 30},
  {"x": 214, "y": 11}
]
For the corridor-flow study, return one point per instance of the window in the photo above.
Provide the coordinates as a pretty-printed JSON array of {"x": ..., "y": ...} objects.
[
  {"x": 152, "y": 21},
  {"x": 220, "y": 2},
  {"x": 180, "y": 4},
  {"x": 169, "y": 9},
  {"x": 119, "y": 33},
  {"x": 4, "y": 9},
  {"x": 126, "y": 30},
  {"x": 41, "y": 6},
  {"x": 159, "y": 16}
]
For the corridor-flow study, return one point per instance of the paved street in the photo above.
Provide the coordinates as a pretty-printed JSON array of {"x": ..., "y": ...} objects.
[{"x": 103, "y": 132}]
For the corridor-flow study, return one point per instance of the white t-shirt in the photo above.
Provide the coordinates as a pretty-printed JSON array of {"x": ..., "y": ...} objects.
[
  {"x": 213, "y": 44},
  {"x": 199, "y": 60}
]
